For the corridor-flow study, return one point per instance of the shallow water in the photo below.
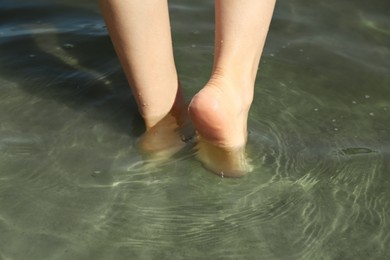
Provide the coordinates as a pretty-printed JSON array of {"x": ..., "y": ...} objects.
[{"x": 73, "y": 185}]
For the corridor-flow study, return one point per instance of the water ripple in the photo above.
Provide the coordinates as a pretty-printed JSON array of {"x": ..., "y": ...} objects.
[{"x": 73, "y": 185}]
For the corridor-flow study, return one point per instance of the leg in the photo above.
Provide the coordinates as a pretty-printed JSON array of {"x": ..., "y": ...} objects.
[
  {"x": 220, "y": 110},
  {"x": 140, "y": 32}
]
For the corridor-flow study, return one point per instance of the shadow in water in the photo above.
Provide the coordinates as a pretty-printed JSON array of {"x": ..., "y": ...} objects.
[{"x": 64, "y": 54}]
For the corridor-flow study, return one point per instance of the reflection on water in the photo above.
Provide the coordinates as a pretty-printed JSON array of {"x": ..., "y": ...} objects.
[{"x": 74, "y": 186}]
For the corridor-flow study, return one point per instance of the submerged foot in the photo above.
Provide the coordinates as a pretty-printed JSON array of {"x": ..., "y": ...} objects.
[
  {"x": 219, "y": 113},
  {"x": 166, "y": 138},
  {"x": 168, "y": 135}
]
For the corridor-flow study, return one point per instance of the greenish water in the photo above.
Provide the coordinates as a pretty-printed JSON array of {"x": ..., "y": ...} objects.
[{"x": 73, "y": 185}]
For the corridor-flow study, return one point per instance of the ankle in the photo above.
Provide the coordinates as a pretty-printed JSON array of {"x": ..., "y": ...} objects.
[
  {"x": 178, "y": 110},
  {"x": 240, "y": 85}
]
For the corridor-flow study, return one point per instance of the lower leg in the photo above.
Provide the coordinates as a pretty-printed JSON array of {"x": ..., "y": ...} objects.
[
  {"x": 220, "y": 110},
  {"x": 140, "y": 32}
]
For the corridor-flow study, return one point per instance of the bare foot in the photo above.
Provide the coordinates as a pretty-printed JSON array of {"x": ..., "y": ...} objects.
[
  {"x": 165, "y": 137},
  {"x": 219, "y": 113}
]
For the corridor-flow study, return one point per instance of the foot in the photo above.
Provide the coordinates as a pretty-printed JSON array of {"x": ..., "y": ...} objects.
[
  {"x": 219, "y": 113},
  {"x": 167, "y": 135}
]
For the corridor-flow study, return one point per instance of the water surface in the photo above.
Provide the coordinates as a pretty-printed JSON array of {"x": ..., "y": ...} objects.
[{"x": 73, "y": 185}]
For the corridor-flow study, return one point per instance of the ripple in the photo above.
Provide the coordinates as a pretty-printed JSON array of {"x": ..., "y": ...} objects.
[
  {"x": 73, "y": 185},
  {"x": 356, "y": 151},
  {"x": 20, "y": 146}
]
